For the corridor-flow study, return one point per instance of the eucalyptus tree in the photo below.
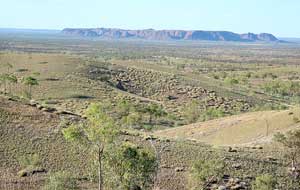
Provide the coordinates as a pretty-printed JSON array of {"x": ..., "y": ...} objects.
[
  {"x": 97, "y": 133},
  {"x": 30, "y": 82}
]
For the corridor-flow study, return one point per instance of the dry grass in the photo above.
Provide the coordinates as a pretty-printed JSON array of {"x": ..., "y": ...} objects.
[{"x": 254, "y": 127}]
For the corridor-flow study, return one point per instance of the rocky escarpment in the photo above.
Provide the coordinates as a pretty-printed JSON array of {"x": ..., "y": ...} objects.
[{"x": 150, "y": 34}]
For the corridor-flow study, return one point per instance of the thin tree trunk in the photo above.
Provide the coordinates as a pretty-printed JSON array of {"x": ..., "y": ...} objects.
[
  {"x": 158, "y": 162},
  {"x": 267, "y": 126},
  {"x": 5, "y": 87},
  {"x": 30, "y": 92},
  {"x": 100, "y": 154},
  {"x": 150, "y": 119},
  {"x": 294, "y": 163},
  {"x": 10, "y": 88}
]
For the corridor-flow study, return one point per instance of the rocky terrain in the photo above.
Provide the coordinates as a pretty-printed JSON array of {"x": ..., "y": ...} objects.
[
  {"x": 150, "y": 34},
  {"x": 167, "y": 89},
  {"x": 34, "y": 130}
]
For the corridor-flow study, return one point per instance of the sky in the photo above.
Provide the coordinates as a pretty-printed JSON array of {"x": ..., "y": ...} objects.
[{"x": 279, "y": 17}]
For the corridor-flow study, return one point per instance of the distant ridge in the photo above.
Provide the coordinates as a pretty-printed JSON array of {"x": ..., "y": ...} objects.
[{"x": 151, "y": 34}]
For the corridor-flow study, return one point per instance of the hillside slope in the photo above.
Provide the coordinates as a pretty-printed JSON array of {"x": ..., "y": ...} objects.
[
  {"x": 26, "y": 130},
  {"x": 249, "y": 128}
]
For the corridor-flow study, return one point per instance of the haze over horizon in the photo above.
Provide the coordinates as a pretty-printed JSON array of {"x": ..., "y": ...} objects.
[{"x": 270, "y": 16}]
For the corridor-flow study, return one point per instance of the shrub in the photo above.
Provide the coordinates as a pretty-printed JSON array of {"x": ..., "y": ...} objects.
[
  {"x": 216, "y": 76},
  {"x": 133, "y": 120},
  {"x": 223, "y": 75},
  {"x": 231, "y": 81},
  {"x": 264, "y": 182},
  {"x": 248, "y": 74},
  {"x": 203, "y": 172},
  {"x": 269, "y": 75},
  {"x": 212, "y": 113},
  {"x": 296, "y": 119},
  {"x": 192, "y": 111},
  {"x": 29, "y": 161},
  {"x": 291, "y": 144},
  {"x": 29, "y": 164},
  {"x": 154, "y": 110},
  {"x": 133, "y": 166},
  {"x": 124, "y": 108},
  {"x": 148, "y": 127},
  {"x": 61, "y": 181}
]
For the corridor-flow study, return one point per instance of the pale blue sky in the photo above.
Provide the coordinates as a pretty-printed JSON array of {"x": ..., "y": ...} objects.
[{"x": 280, "y": 17}]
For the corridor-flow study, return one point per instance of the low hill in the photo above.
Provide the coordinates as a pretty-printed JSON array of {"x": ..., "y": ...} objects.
[
  {"x": 150, "y": 34},
  {"x": 27, "y": 130},
  {"x": 249, "y": 128}
]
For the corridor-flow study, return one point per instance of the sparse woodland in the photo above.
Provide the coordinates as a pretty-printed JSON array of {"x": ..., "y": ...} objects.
[{"x": 132, "y": 115}]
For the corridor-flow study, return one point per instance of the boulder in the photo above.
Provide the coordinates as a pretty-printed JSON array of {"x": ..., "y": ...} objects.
[
  {"x": 237, "y": 187},
  {"x": 230, "y": 149},
  {"x": 237, "y": 166},
  {"x": 222, "y": 187},
  {"x": 30, "y": 172}
]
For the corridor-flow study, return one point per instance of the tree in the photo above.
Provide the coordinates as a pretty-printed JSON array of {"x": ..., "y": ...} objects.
[
  {"x": 12, "y": 79},
  {"x": 264, "y": 182},
  {"x": 133, "y": 119},
  {"x": 192, "y": 111},
  {"x": 203, "y": 172},
  {"x": 158, "y": 149},
  {"x": 4, "y": 79},
  {"x": 8, "y": 67},
  {"x": 97, "y": 133},
  {"x": 133, "y": 166},
  {"x": 291, "y": 143},
  {"x": 155, "y": 111},
  {"x": 30, "y": 82},
  {"x": 124, "y": 108}
]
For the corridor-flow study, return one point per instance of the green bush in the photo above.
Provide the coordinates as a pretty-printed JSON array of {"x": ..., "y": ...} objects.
[
  {"x": 132, "y": 166},
  {"x": 212, "y": 113},
  {"x": 124, "y": 108},
  {"x": 29, "y": 161},
  {"x": 133, "y": 120},
  {"x": 264, "y": 182},
  {"x": 155, "y": 111},
  {"x": 203, "y": 172},
  {"x": 61, "y": 181},
  {"x": 29, "y": 164},
  {"x": 248, "y": 75},
  {"x": 148, "y": 127},
  {"x": 192, "y": 111},
  {"x": 231, "y": 81}
]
